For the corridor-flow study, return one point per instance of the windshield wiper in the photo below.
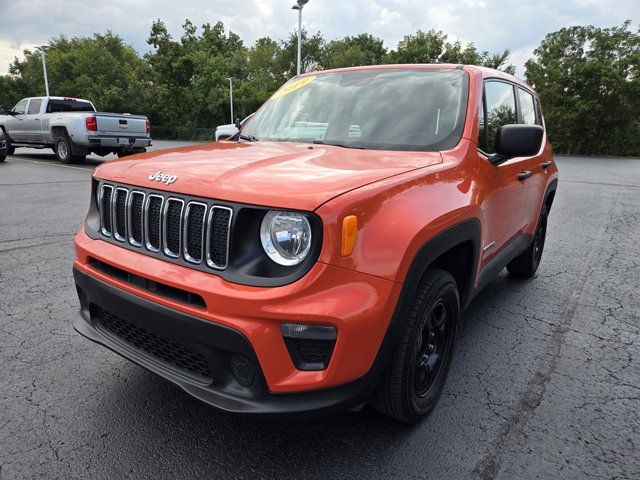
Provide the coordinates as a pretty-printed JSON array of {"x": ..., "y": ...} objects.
[
  {"x": 248, "y": 138},
  {"x": 338, "y": 144}
]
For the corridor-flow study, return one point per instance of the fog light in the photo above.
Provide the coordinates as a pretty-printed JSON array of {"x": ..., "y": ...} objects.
[{"x": 242, "y": 370}]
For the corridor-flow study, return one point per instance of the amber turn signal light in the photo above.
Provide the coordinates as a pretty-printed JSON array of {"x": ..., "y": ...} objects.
[{"x": 349, "y": 232}]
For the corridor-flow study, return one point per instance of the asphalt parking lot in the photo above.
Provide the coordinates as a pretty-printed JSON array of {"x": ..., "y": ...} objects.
[{"x": 545, "y": 382}]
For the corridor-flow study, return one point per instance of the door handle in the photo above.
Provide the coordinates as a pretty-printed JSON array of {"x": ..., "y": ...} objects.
[
  {"x": 524, "y": 175},
  {"x": 36, "y": 119},
  {"x": 546, "y": 165}
]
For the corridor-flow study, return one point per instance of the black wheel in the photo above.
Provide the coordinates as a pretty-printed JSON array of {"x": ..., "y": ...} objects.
[
  {"x": 62, "y": 150},
  {"x": 3, "y": 158},
  {"x": 416, "y": 374},
  {"x": 526, "y": 264}
]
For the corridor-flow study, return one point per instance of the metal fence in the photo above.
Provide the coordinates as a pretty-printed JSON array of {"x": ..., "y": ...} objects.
[{"x": 195, "y": 134}]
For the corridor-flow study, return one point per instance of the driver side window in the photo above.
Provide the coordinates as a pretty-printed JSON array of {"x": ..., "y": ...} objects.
[
  {"x": 21, "y": 107},
  {"x": 500, "y": 110}
]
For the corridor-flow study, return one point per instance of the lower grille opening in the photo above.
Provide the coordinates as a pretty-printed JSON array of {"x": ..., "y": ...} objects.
[
  {"x": 177, "y": 294},
  {"x": 168, "y": 351}
]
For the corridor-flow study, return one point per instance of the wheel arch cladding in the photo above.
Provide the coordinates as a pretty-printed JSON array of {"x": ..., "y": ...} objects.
[
  {"x": 550, "y": 193},
  {"x": 455, "y": 250}
]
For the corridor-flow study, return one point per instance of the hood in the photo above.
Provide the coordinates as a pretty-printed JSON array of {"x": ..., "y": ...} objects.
[{"x": 276, "y": 174}]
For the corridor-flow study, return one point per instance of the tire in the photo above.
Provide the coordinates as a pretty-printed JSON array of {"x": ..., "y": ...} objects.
[
  {"x": 2, "y": 158},
  {"x": 526, "y": 264},
  {"x": 128, "y": 153},
  {"x": 413, "y": 381},
  {"x": 10, "y": 150},
  {"x": 62, "y": 150}
]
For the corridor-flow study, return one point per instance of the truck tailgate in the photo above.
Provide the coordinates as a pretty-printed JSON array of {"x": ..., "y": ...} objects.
[{"x": 125, "y": 125}]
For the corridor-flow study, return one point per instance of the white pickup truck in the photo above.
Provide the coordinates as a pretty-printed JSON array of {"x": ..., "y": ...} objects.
[{"x": 72, "y": 128}]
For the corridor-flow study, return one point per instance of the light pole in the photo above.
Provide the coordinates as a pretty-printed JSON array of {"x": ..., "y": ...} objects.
[
  {"x": 43, "y": 49},
  {"x": 231, "y": 96},
  {"x": 298, "y": 6}
]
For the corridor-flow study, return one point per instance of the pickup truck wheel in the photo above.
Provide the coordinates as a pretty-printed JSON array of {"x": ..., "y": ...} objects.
[
  {"x": 62, "y": 149},
  {"x": 135, "y": 151},
  {"x": 10, "y": 150},
  {"x": 526, "y": 264},
  {"x": 415, "y": 376}
]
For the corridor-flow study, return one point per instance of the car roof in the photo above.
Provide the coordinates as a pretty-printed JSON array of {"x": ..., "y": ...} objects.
[
  {"x": 485, "y": 71},
  {"x": 59, "y": 98}
]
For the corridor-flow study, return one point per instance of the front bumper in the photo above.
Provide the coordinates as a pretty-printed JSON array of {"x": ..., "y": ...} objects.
[
  {"x": 246, "y": 321},
  {"x": 214, "y": 342}
]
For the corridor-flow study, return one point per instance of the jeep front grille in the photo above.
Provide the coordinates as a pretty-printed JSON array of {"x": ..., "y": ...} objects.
[{"x": 174, "y": 227}]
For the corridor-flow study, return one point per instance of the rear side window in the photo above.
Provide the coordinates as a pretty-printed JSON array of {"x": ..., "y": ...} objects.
[
  {"x": 21, "y": 107},
  {"x": 34, "y": 106},
  {"x": 527, "y": 108},
  {"x": 500, "y": 104},
  {"x": 69, "y": 105}
]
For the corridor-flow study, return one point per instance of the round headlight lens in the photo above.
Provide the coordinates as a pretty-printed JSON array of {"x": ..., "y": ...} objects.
[{"x": 286, "y": 237}]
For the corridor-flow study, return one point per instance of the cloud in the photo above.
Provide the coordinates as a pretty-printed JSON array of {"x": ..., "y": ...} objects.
[
  {"x": 9, "y": 51},
  {"x": 493, "y": 25}
]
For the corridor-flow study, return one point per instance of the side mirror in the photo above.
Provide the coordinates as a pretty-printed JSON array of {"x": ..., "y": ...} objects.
[
  {"x": 238, "y": 123},
  {"x": 517, "y": 141}
]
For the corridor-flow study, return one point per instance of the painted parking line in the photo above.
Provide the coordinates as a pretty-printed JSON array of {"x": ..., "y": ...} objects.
[{"x": 89, "y": 169}]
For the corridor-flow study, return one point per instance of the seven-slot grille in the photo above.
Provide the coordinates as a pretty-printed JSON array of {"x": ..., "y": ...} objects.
[{"x": 177, "y": 228}]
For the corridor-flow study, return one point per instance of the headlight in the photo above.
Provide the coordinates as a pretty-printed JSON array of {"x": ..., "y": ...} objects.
[{"x": 286, "y": 237}]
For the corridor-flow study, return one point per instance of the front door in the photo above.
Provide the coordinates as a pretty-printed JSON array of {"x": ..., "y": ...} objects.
[
  {"x": 32, "y": 122},
  {"x": 15, "y": 123},
  {"x": 504, "y": 204}
]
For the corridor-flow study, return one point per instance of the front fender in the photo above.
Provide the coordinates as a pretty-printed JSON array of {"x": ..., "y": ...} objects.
[{"x": 399, "y": 215}]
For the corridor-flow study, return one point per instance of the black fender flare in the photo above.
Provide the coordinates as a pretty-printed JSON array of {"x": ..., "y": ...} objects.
[
  {"x": 550, "y": 192},
  {"x": 466, "y": 230}
]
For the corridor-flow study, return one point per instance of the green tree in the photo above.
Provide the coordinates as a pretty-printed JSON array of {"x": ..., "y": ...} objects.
[
  {"x": 589, "y": 81},
  {"x": 434, "y": 47},
  {"x": 312, "y": 48},
  {"x": 190, "y": 75},
  {"x": 101, "y": 68},
  {"x": 363, "y": 49},
  {"x": 262, "y": 75}
]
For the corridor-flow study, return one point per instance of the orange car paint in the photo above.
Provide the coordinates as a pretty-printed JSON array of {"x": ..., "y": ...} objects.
[{"x": 400, "y": 199}]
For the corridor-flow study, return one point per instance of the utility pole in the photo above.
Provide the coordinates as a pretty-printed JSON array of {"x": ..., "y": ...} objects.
[
  {"x": 231, "y": 96},
  {"x": 43, "y": 49},
  {"x": 298, "y": 6}
]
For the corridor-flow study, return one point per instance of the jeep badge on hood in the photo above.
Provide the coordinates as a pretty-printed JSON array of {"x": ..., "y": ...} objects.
[{"x": 163, "y": 177}]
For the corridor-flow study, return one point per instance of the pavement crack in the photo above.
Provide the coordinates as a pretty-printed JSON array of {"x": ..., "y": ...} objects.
[{"x": 489, "y": 466}]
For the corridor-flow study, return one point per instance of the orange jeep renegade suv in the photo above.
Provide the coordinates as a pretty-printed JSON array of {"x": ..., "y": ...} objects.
[{"x": 321, "y": 258}]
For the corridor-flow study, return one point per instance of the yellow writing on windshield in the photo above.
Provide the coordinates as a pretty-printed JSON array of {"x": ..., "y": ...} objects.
[{"x": 287, "y": 88}]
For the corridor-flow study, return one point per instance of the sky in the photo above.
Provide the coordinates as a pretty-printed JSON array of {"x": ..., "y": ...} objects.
[{"x": 518, "y": 25}]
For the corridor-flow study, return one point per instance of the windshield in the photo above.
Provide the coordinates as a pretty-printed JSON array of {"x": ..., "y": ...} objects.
[{"x": 373, "y": 109}]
